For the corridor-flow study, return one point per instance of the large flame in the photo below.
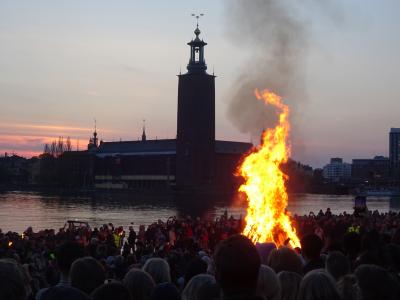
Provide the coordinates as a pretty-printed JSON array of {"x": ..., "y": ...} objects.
[{"x": 267, "y": 219}]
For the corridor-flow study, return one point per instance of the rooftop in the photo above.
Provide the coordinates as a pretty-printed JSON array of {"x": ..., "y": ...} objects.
[
  {"x": 163, "y": 147},
  {"x": 232, "y": 147},
  {"x": 394, "y": 130},
  {"x": 149, "y": 147}
]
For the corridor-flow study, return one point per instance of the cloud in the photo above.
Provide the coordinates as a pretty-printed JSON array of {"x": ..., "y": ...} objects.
[
  {"x": 92, "y": 93},
  {"x": 133, "y": 69},
  {"x": 28, "y": 139},
  {"x": 23, "y": 153},
  {"x": 49, "y": 127}
]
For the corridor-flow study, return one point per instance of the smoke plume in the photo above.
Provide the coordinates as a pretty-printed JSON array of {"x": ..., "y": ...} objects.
[{"x": 278, "y": 40}]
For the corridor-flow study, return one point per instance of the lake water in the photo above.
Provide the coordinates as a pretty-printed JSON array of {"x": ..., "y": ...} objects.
[{"x": 18, "y": 210}]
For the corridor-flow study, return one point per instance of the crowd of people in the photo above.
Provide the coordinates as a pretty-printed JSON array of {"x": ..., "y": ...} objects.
[{"x": 346, "y": 256}]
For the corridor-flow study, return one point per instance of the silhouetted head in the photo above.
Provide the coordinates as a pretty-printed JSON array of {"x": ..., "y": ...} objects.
[
  {"x": 391, "y": 257},
  {"x": 112, "y": 290},
  {"x": 352, "y": 244},
  {"x": 371, "y": 241},
  {"x": 237, "y": 264},
  {"x": 318, "y": 285},
  {"x": 264, "y": 249},
  {"x": 12, "y": 285},
  {"x": 289, "y": 283},
  {"x": 337, "y": 264},
  {"x": 348, "y": 287},
  {"x": 376, "y": 283},
  {"x": 66, "y": 254},
  {"x": 311, "y": 246},
  {"x": 268, "y": 285},
  {"x": 64, "y": 293},
  {"x": 195, "y": 267},
  {"x": 165, "y": 291},
  {"x": 396, "y": 237},
  {"x": 285, "y": 259},
  {"x": 87, "y": 274},
  {"x": 209, "y": 291},
  {"x": 139, "y": 284}
]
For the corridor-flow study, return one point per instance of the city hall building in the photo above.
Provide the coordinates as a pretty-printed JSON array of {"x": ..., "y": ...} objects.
[{"x": 194, "y": 161}]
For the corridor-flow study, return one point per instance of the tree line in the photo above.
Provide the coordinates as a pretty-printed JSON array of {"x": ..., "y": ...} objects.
[{"x": 57, "y": 147}]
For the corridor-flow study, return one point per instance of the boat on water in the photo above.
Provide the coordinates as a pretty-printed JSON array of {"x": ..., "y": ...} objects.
[{"x": 75, "y": 224}]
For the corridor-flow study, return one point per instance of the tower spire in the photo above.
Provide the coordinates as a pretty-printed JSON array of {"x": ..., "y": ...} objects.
[
  {"x": 95, "y": 139},
  {"x": 144, "y": 131},
  {"x": 197, "y": 62},
  {"x": 197, "y": 18}
]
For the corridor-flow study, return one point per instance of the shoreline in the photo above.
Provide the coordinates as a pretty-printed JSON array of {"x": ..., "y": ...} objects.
[{"x": 94, "y": 191}]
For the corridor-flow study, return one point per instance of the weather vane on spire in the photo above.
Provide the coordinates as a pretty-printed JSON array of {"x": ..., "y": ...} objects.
[{"x": 197, "y": 16}]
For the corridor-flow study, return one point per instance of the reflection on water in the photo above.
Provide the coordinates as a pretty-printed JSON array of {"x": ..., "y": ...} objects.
[{"x": 18, "y": 210}]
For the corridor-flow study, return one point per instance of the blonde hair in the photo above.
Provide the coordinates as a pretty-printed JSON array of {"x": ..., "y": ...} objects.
[
  {"x": 318, "y": 284},
  {"x": 290, "y": 283},
  {"x": 268, "y": 284},
  {"x": 191, "y": 291},
  {"x": 158, "y": 269},
  {"x": 139, "y": 284}
]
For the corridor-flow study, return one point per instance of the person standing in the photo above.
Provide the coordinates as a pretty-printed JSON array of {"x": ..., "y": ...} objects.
[{"x": 132, "y": 238}]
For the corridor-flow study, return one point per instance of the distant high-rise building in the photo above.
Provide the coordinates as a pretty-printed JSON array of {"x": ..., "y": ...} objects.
[
  {"x": 394, "y": 152},
  {"x": 376, "y": 168},
  {"x": 337, "y": 170}
]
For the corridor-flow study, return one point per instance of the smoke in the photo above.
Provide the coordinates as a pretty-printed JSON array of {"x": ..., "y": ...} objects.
[{"x": 278, "y": 38}]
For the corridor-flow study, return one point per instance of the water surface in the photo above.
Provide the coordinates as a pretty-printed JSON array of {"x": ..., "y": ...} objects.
[{"x": 18, "y": 210}]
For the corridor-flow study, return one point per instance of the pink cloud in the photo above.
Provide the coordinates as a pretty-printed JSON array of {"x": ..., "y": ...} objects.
[
  {"x": 29, "y": 139},
  {"x": 32, "y": 145}
]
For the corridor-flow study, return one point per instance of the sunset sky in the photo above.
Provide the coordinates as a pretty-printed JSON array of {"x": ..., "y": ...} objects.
[{"x": 65, "y": 63}]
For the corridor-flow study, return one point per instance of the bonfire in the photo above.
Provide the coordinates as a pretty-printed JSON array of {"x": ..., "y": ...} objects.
[{"x": 267, "y": 219}]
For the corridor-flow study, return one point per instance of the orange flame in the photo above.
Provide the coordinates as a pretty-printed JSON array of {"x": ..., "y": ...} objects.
[{"x": 267, "y": 219}]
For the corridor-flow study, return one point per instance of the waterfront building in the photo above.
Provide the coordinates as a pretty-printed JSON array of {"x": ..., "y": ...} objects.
[
  {"x": 372, "y": 169},
  {"x": 194, "y": 161},
  {"x": 13, "y": 169},
  {"x": 394, "y": 152},
  {"x": 337, "y": 170}
]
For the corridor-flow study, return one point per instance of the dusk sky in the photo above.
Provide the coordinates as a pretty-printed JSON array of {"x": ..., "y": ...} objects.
[{"x": 65, "y": 63}]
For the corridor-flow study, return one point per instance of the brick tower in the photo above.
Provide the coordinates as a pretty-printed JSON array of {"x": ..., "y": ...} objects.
[{"x": 195, "y": 153}]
